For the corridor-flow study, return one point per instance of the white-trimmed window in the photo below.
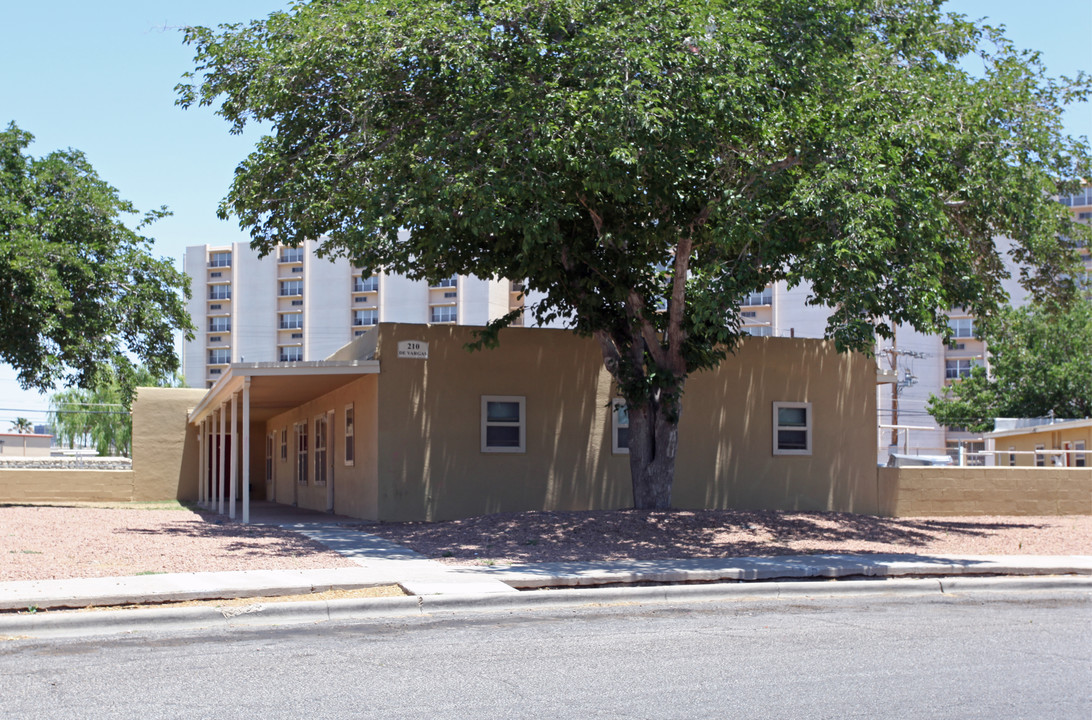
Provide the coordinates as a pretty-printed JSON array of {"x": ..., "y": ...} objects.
[
  {"x": 619, "y": 427},
  {"x": 1040, "y": 458},
  {"x": 301, "y": 453},
  {"x": 365, "y": 284},
  {"x": 284, "y": 444},
  {"x": 1079, "y": 458},
  {"x": 504, "y": 424},
  {"x": 962, "y": 327},
  {"x": 791, "y": 428},
  {"x": 291, "y": 287},
  {"x": 350, "y": 435},
  {"x": 958, "y": 368},
  {"x": 1012, "y": 456},
  {"x": 363, "y": 318},
  {"x": 444, "y": 314},
  {"x": 321, "y": 433}
]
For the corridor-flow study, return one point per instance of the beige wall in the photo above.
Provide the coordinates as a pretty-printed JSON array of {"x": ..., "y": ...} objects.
[
  {"x": 164, "y": 460},
  {"x": 1050, "y": 439},
  {"x": 165, "y": 456},
  {"x": 431, "y": 465},
  {"x": 353, "y": 487},
  {"x": 919, "y": 491},
  {"x": 66, "y": 485},
  {"x": 727, "y": 460}
]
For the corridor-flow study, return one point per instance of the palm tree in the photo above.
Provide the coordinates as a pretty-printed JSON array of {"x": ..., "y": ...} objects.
[{"x": 22, "y": 426}]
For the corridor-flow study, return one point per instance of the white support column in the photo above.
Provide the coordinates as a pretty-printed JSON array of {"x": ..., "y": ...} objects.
[
  {"x": 235, "y": 453},
  {"x": 220, "y": 470},
  {"x": 210, "y": 460},
  {"x": 201, "y": 444},
  {"x": 246, "y": 451}
]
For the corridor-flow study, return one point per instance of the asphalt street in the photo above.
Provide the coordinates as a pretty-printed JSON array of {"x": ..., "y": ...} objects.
[{"x": 1026, "y": 655}]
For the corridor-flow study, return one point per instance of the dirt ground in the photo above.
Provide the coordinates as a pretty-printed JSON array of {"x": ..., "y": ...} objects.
[
  {"x": 637, "y": 535},
  {"x": 54, "y": 542}
]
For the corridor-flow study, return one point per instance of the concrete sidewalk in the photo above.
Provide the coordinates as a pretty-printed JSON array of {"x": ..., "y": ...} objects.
[{"x": 384, "y": 563}]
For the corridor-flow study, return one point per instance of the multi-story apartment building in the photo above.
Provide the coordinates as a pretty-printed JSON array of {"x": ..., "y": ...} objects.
[{"x": 293, "y": 305}]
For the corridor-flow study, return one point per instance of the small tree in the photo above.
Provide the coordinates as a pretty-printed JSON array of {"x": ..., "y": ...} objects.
[
  {"x": 100, "y": 416},
  {"x": 1040, "y": 363},
  {"x": 647, "y": 165},
  {"x": 22, "y": 426},
  {"x": 80, "y": 292}
]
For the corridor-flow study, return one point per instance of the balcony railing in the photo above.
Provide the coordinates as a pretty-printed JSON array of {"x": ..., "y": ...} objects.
[
  {"x": 759, "y": 298},
  {"x": 370, "y": 284}
]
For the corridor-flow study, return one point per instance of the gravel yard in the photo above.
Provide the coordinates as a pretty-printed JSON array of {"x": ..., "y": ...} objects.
[
  {"x": 48, "y": 542},
  {"x": 637, "y": 535}
]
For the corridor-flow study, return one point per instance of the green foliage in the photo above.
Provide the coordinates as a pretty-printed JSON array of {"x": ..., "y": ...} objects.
[
  {"x": 1040, "y": 363},
  {"x": 646, "y": 165},
  {"x": 22, "y": 426},
  {"x": 99, "y": 416},
  {"x": 80, "y": 292}
]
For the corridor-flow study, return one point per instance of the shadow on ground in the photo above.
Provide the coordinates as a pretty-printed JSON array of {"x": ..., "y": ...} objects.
[{"x": 661, "y": 535}]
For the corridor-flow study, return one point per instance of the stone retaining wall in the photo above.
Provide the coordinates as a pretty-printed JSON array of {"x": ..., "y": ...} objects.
[{"x": 66, "y": 463}]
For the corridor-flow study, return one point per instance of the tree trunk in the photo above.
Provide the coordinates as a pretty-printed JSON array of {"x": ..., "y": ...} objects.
[{"x": 653, "y": 439}]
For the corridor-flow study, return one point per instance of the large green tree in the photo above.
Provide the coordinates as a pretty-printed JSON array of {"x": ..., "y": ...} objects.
[
  {"x": 645, "y": 165},
  {"x": 1040, "y": 363},
  {"x": 80, "y": 291}
]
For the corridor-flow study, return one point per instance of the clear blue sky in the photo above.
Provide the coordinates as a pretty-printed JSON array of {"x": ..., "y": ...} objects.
[{"x": 100, "y": 77}]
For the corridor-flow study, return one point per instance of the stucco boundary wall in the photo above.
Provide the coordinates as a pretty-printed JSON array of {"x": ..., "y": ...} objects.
[
  {"x": 924, "y": 491},
  {"x": 165, "y": 460},
  {"x": 75, "y": 485}
]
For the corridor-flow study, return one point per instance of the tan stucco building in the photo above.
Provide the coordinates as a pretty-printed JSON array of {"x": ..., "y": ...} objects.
[
  {"x": 406, "y": 424},
  {"x": 1029, "y": 443}
]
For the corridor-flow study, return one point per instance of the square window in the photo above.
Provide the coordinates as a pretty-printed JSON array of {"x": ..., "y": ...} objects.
[
  {"x": 503, "y": 424},
  {"x": 619, "y": 427},
  {"x": 791, "y": 428}
]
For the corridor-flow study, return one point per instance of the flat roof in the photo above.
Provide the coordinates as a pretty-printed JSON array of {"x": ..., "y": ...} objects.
[{"x": 1042, "y": 427}]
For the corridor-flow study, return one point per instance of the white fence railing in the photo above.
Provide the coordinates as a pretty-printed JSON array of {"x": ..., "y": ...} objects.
[{"x": 962, "y": 457}]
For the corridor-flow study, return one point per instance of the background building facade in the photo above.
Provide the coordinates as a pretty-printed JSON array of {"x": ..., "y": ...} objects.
[{"x": 293, "y": 305}]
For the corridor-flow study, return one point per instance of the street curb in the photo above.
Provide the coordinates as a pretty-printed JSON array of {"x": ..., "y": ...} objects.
[{"x": 83, "y": 624}]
